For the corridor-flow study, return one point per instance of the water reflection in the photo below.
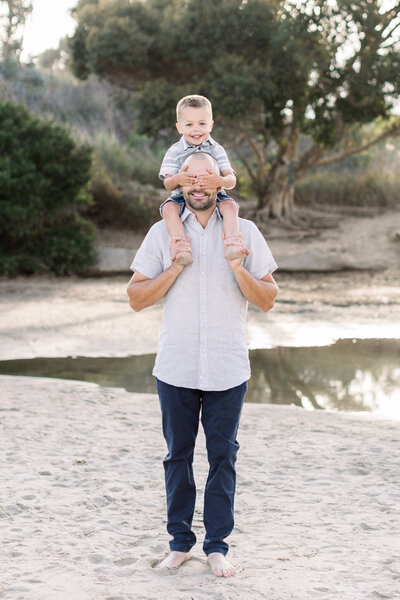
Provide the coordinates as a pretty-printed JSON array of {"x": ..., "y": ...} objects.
[{"x": 350, "y": 375}]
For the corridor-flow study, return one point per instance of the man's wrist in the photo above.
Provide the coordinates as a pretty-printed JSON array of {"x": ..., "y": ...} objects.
[
  {"x": 236, "y": 266},
  {"x": 175, "y": 268}
]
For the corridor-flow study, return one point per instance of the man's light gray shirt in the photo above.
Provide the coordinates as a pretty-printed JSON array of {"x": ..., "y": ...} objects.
[{"x": 203, "y": 336}]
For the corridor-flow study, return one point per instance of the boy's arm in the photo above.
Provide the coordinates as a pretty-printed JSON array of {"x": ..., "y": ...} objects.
[{"x": 229, "y": 179}]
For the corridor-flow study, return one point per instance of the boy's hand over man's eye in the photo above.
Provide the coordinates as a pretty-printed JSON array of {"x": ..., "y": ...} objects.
[
  {"x": 184, "y": 177},
  {"x": 210, "y": 180}
]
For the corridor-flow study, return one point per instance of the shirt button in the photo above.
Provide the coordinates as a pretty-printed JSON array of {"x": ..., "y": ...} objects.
[{"x": 202, "y": 291}]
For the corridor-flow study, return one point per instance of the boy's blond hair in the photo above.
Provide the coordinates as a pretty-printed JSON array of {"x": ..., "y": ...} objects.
[{"x": 194, "y": 101}]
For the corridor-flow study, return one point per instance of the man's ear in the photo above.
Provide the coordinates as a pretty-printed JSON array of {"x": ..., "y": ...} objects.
[{"x": 178, "y": 128}]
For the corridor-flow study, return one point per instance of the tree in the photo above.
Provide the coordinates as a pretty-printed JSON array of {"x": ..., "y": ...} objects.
[
  {"x": 274, "y": 70},
  {"x": 13, "y": 15},
  {"x": 43, "y": 180},
  {"x": 55, "y": 57}
]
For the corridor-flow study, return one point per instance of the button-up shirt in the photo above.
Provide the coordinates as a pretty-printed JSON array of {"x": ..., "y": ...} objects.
[
  {"x": 178, "y": 153},
  {"x": 203, "y": 335}
]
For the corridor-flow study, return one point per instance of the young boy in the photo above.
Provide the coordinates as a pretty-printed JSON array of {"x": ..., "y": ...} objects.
[{"x": 195, "y": 123}]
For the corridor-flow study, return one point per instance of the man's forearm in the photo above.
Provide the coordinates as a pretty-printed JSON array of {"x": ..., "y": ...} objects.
[
  {"x": 259, "y": 292},
  {"x": 149, "y": 291}
]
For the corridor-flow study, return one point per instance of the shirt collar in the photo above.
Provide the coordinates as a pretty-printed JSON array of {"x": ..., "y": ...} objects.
[
  {"x": 207, "y": 142},
  {"x": 186, "y": 213}
]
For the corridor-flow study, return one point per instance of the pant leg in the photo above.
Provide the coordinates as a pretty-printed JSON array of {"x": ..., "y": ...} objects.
[
  {"x": 180, "y": 408},
  {"x": 220, "y": 418}
]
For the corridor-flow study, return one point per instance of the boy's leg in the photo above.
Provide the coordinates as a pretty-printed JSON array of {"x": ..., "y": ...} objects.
[
  {"x": 170, "y": 212},
  {"x": 180, "y": 408},
  {"x": 220, "y": 418},
  {"x": 230, "y": 222}
]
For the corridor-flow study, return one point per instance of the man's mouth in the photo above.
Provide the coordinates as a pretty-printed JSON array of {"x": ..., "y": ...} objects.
[{"x": 198, "y": 195}]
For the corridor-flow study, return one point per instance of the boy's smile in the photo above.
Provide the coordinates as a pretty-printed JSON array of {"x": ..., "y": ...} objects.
[{"x": 195, "y": 124}]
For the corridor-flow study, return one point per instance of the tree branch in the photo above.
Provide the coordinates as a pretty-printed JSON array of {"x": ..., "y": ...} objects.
[
  {"x": 329, "y": 160},
  {"x": 253, "y": 146},
  {"x": 392, "y": 12},
  {"x": 390, "y": 33},
  {"x": 308, "y": 160},
  {"x": 245, "y": 161}
]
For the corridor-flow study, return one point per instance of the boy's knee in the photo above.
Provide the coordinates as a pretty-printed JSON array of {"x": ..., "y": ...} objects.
[
  {"x": 169, "y": 207},
  {"x": 229, "y": 206}
]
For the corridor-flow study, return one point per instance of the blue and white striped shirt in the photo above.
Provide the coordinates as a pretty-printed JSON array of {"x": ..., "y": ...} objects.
[{"x": 178, "y": 153}]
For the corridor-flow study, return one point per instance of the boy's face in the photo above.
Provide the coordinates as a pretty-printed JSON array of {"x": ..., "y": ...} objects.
[{"x": 195, "y": 124}]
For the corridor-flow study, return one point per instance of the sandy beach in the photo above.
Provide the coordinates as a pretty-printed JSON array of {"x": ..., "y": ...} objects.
[{"x": 82, "y": 502}]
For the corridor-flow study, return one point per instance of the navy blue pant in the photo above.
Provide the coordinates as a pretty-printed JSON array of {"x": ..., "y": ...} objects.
[{"x": 220, "y": 414}]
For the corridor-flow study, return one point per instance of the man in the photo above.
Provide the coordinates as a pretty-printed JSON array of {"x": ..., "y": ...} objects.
[{"x": 202, "y": 363}]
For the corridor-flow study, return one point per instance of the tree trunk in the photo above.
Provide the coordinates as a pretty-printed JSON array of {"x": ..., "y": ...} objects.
[{"x": 278, "y": 201}]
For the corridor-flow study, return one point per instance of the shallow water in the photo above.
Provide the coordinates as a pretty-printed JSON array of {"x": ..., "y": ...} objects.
[{"x": 350, "y": 375}]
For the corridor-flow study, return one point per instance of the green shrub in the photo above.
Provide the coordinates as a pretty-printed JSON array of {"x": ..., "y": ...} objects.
[
  {"x": 43, "y": 180},
  {"x": 128, "y": 205},
  {"x": 136, "y": 160}
]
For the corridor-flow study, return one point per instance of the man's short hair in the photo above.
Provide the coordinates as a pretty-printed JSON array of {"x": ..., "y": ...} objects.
[
  {"x": 201, "y": 156},
  {"x": 194, "y": 101}
]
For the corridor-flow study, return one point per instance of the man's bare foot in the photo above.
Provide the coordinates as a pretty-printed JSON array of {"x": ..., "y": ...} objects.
[
  {"x": 174, "y": 560},
  {"x": 232, "y": 252},
  {"x": 219, "y": 565}
]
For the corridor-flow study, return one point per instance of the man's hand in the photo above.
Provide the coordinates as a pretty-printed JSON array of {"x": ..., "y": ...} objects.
[
  {"x": 235, "y": 241},
  {"x": 177, "y": 246},
  {"x": 211, "y": 180}
]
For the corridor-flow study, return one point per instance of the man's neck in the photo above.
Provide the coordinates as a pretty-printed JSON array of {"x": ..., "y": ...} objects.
[{"x": 203, "y": 216}]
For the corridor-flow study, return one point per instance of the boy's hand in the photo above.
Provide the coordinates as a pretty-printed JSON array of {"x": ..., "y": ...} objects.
[
  {"x": 211, "y": 181},
  {"x": 184, "y": 178}
]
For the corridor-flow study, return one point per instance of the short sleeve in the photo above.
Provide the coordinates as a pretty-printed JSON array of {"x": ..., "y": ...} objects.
[
  {"x": 221, "y": 157},
  {"x": 149, "y": 258},
  {"x": 260, "y": 262},
  {"x": 169, "y": 165}
]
